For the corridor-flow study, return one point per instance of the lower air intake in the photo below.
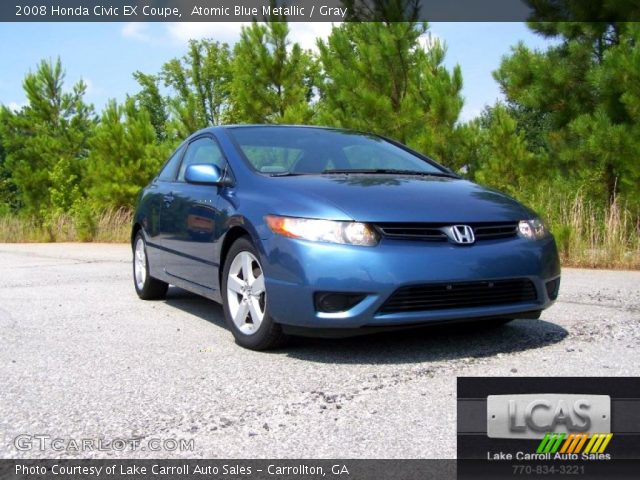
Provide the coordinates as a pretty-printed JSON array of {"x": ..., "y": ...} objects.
[{"x": 443, "y": 296}]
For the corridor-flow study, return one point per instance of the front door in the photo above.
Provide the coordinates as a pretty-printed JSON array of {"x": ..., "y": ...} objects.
[{"x": 191, "y": 220}]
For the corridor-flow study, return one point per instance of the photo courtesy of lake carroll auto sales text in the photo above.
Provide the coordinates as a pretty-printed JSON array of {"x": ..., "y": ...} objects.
[
  {"x": 184, "y": 469},
  {"x": 319, "y": 239}
]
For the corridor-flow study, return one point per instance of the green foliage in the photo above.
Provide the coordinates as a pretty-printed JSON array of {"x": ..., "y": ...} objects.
[
  {"x": 150, "y": 98},
  {"x": 533, "y": 124},
  {"x": 467, "y": 139},
  {"x": 47, "y": 140},
  {"x": 200, "y": 86},
  {"x": 589, "y": 233},
  {"x": 272, "y": 78},
  {"x": 124, "y": 155},
  {"x": 585, "y": 90},
  {"x": 504, "y": 160},
  {"x": 65, "y": 190},
  {"x": 8, "y": 198},
  {"x": 378, "y": 77}
]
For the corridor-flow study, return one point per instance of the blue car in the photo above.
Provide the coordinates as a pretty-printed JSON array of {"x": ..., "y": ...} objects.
[{"x": 308, "y": 230}]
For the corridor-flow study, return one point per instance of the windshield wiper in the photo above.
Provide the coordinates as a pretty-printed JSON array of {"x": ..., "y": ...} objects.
[
  {"x": 388, "y": 171},
  {"x": 286, "y": 174}
]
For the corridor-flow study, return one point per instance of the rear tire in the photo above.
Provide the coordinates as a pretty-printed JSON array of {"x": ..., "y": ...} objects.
[
  {"x": 245, "y": 304},
  {"x": 147, "y": 287}
]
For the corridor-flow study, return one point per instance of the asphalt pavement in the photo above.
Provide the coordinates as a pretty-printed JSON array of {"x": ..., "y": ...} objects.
[{"x": 89, "y": 370}]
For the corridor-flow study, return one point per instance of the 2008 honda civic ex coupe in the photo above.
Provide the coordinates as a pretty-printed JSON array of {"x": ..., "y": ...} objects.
[{"x": 303, "y": 230}]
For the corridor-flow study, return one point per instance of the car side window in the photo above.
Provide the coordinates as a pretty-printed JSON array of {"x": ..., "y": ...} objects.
[
  {"x": 168, "y": 173},
  {"x": 202, "y": 151}
]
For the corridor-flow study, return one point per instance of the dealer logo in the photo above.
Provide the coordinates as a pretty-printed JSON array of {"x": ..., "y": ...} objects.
[
  {"x": 562, "y": 422},
  {"x": 535, "y": 416}
]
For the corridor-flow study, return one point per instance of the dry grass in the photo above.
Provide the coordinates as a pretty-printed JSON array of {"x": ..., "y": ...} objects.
[
  {"x": 587, "y": 235},
  {"x": 113, "y": 226}
]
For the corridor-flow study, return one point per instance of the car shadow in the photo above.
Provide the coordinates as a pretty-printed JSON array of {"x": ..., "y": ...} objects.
[
  {"x": 196, "y": 305},
  {"x": 430, "y": 343},
  {"x": 418, "y": 344}
]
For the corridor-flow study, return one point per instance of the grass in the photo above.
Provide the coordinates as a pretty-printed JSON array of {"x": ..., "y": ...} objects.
[
  {"x": 113, "y": 226},
  {"x": 588, "y": 235}
]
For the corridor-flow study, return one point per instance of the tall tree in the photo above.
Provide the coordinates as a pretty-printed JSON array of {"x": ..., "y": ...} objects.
[
  {"x": 8, "y": 200},
  {"x": 199, "y": 85},
  {"x": 586, "y": 88},
  {"x": 150, "y": 98},
  {"x": 388, "y": 78},
  {"x": 47, "y": 140},
  {"x": 503, "y": 160},
  {"x": 272, "y": 77},
  {"x": 125, "y": 154}
]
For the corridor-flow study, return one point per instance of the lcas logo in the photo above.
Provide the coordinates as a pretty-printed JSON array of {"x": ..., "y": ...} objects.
[{"x": 569, "y": 426}]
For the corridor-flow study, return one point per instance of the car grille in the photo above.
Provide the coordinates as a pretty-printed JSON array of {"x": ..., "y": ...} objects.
[
  {"x": 433, "y": 231},
  {"x": 443, "y": 296}
]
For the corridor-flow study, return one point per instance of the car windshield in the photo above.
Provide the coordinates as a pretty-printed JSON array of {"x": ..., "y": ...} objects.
[{"x": 302, "y": 150}]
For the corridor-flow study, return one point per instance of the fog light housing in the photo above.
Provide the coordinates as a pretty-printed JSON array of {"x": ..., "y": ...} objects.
[
  {"x": 334, "y": 302},
  {"x": 553, "y": 287}
]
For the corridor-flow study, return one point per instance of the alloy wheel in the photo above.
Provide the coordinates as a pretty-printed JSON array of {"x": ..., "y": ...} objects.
[
  {"x": 140, "y": 264},
  {"x": 246, "y": 294}
]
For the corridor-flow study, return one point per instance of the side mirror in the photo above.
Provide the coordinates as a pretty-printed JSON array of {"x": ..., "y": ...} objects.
[{"x": 203, "y": 174}]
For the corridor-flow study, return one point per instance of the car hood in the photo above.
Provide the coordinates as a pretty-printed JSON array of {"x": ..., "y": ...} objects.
[{"x": 386, "y": 198}]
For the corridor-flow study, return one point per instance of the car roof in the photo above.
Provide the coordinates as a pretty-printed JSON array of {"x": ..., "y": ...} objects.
[
  {"x": 273, "y": 125},
  {"x": 270, "y": 125}
]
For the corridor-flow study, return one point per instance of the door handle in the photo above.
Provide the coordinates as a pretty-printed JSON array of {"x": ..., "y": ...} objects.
[{"x": 168, "y": 199}]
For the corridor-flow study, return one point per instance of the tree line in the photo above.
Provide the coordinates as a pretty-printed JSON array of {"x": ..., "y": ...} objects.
[{"x": 570, "y": 121}]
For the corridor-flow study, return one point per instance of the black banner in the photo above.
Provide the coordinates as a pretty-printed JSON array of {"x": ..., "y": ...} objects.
[
  {"x": 227, "y": 469},
  {"x": 587, "y": 451},
  {"x": 235, "y": 469},
  {"x": 318, "y": 11}
]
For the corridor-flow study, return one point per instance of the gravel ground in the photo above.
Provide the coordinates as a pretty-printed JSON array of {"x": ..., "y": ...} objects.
[{"x": 83, "y": 358}]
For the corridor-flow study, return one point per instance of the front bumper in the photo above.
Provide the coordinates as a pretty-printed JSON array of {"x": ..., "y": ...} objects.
[{"x": 296, "y": 269}]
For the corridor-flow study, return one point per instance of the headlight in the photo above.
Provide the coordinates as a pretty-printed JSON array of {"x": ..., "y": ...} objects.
[
  {"x": 350, "y": 233},
  {"x": 533, "y": 229}
]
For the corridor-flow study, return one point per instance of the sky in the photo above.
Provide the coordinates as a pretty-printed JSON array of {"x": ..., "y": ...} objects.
[{"x": 105, "y": 55}]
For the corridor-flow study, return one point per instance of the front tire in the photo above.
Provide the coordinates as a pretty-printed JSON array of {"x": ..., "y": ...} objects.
[
  {"x": 147, "y": 287},
  {"x": 245, "y": 305}
]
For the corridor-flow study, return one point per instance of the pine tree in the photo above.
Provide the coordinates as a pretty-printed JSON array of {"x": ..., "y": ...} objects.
[
  {"x": 272, "y": 78},
  {"x": 503, "y": 160},
  {"x": 8, "y": 200},
  {"x": 46, "y": 141},
  {"x": 199, "y": 86},
  {"x": 381, "y": 77},
  {"x": 125, "y": 155},
  {"x": 150, "y": 98},
  {"x": 586, "y": 87}
]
